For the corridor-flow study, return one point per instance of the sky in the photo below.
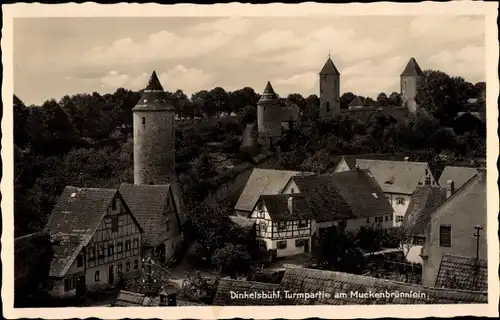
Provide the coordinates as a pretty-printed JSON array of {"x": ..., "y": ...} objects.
[{"x": 58, "y": 56}]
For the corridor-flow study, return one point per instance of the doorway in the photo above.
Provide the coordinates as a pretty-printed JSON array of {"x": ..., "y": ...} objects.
[
  {"x": 111, "y": 277},
  {"x": 306, "y": 246},
  {"x": 80, "y": 286}
]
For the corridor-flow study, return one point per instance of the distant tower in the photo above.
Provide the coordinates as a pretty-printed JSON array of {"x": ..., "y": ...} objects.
[
  {"x": 154, "y": 136},
  {"x": 269, "y": 114},
  {"x": 329, "y": 90},
  {"x": 410, "y": 78}
]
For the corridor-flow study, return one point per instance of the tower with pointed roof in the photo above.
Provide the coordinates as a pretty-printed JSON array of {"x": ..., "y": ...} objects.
[
  {"x": 410, "y": 78},
  {"x": 329, "y": 90},
  {"x": 269, "y": 114},
  {"x": 154, "y": 136}
]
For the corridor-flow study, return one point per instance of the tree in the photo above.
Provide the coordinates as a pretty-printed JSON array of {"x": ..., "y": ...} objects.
[
  {"x": 345, "y": 99},
  {"x": 441, "y": 95},
  {"x": 312, "y": 108},
  {"x": 369, "y": 239},
  {"x": 242, "y": 98},
  {"x": 296, "y": 100},
  {"x": 394, "y": 99},
  {"x": 338, "y": 251},
  {"x": 220, "y": 100},
  {"x": 382, "y": 99},
  {"x": 232, "y": 260},
  {"x": 247, "y": 115},
  {"x": 21, "y": 120}
]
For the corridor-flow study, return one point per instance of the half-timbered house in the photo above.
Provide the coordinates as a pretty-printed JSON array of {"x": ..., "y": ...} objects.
[
  {"x": 282, "y": 225},
  {"x": 157, "y": 211},
  {"x": 96, "y": 241}
]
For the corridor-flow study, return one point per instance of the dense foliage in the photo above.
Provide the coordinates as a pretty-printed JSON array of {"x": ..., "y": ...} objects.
[{"x": 85, "y": 140}]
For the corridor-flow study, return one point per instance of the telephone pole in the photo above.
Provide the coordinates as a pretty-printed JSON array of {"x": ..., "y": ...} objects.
[{"x": 477, "y": 234}]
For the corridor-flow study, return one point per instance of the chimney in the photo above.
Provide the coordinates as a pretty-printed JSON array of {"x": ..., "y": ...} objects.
[
  {"x": 290, "y": 204},
  {"x": 450, "y": 188},
  {"x": 407, "y": 158}
]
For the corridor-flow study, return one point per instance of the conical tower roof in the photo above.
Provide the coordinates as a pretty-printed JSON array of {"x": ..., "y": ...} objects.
[
  {"x": 412, "y": 69},
  {"x": 268, "y": 95},
  {"x": 356, "y": 102},
  {"x": 154, "y": 97},
  {"x": 329, "y": 68}
]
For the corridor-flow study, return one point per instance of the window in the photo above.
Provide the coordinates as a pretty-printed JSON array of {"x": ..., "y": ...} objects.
[
  {"x": 328, "y": 107},
  {"x": 69, "y": 284},
  {"x": 119, "y": 268},
  {"x": 399, "y": 219},
  {"x": 418, "y": 240},
  {"x": 263, "y": 226},
  {"x": 136, "y": 264},
  {"x": 97, "y": 276},
  {"x": 292, "y": 191},
  {"x": 119, "y": 247},
  {"x": 281, "y": 225},
  {"x": 445, "y": 236},
  {"x": 168, "y": 225},
  {"x": 79, "y": 260},
  {"x": 400, "y": 201},
  {"x": 113, "y": 204},
  {"x": 111, "y": 249},
  {"x": 136, "y": 243},
  {"x": 379, "y": 219},
  {"x": 114, "y": 224},
  {"x": 101, "y": 251},
  {"x": 91, "y": 253},
  {"x": 281, "y": 244},
  {"x": 302, "y": 223},
  {"x": 262, "y": 244},
  {"x": 367, "y": 220},
  {"x": 127, "y": 245},
  {"x": 299, "y": 243},
  {"x": 427, "y": 181},
  {"x": 128, "y": 266},
  {"x": 143, "y": 121},
  {"x": 386, "y": 218}
]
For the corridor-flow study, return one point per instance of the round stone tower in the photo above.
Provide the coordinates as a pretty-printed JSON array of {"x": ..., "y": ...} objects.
[
  {"x": 269, "y": 114},
  {"x": 154, "y": 136}
]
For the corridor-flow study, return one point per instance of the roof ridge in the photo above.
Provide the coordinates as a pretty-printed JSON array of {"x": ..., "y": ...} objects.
[{"x": 399, "y": 161}]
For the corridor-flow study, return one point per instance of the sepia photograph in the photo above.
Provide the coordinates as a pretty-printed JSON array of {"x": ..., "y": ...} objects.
[{"x": 232, "y": 157}]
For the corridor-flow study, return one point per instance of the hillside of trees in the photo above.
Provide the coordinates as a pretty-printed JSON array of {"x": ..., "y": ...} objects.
[{"x": 85, "y": 139}]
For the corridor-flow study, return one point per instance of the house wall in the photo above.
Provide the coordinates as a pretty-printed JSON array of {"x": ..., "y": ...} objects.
[
  {"x": 329, "y": 95},
  {"x": 399, "y": 209},
  {"x": 462, "y": 214},
  {"x": 105, "y": 238},
  {"x": 290, "y": 188},
  {"x": 268, "y": 231},
  {"x": 174, "y": 232}
]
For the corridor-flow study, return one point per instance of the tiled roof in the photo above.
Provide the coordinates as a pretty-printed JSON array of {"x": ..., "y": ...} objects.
[
  {"x": 73, "y": 222},
  {"x": 154, "y": 97},
  {"x": 350, "y": 159},
  {"x": 329, "y": 68},
  {"x": 395, "y": 176},
  {"x": 356, "y": 102},
  {"x": 226, "y": 286},
  {"x": 412, "y": 69},
  {"x": 459, "y": 176},
  {"x": 343, "y": 195},
  {"x": 462, "y": 273},
  {"x": 268, "y": 94},
  {"x": 263, "y": 181},
  {"x": 301, "y": 280},
  {"x": 424, "y": 201},
  {"x": 148, "y": 204},
  {"x": 277, "y": 207}
]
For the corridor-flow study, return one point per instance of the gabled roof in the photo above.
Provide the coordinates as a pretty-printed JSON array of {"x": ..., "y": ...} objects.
[
  {"x": 226, "y": 286},
  {"x": 73, "y": 222},
  {"x": 299, "y": 280},
  {"x": 462, "y": 273},
  {"x": 343, "y": 195},
  {"x": 263, "y": 181},
  {"x": 148, "y": 204},
  {"x": 459, "y": 176},
  {"x": 154, "y": 97},
  {"x": 395, "y": 176},
  {"x": 423, "y": 203},
  {"x": 350, "y": 159},
  {"x": 329, "y": 68},
  {"x": 412, "y": 69},
  {"x": 356, "y": 102},
  {"x": 278, "y": 210},
  {"x": 268, "y": 95}
]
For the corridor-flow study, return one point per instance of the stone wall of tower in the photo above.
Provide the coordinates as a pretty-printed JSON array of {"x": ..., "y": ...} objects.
[
  {"x": 329, "y": 91},
  {"x": 409, "y": 86},
  {"x": 269, "y": 115},
  {"x": 154, "y": 147}
]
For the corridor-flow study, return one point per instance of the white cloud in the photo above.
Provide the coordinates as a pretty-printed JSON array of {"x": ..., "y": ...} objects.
[
  {"x": 468, "y": 62},
  {"x": 115, "y": 79},
  {"x": 303, "y": 82},
  {"x": 447, "y": 28},
  {"x": 276, "y": 39},
  {"x": 229, "y": 26}
]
